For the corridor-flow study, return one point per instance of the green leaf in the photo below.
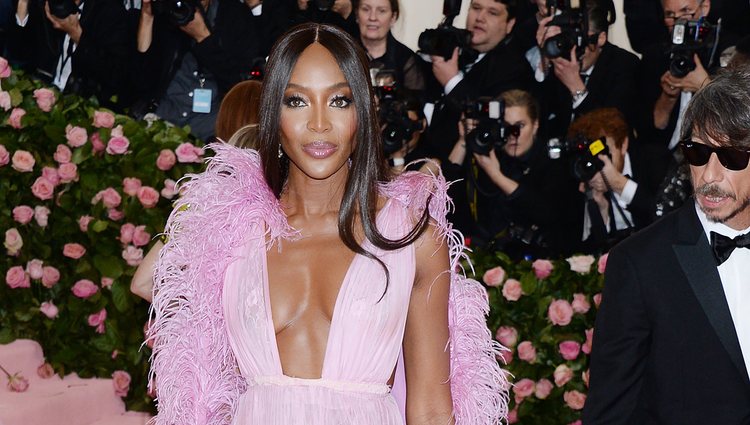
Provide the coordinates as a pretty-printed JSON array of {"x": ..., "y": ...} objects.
[
  {"x": 99, "y": 226},
  {"x": 6, "y": 336},
  {"x": 108, "y": 265},
  {"x": 121, "y": 297},
  {"x": 528, "y": 283}
]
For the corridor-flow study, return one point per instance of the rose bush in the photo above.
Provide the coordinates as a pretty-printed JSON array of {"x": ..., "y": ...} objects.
[
  {"x": 544, "y": 312},
  {"x": 81, "y": 200}
]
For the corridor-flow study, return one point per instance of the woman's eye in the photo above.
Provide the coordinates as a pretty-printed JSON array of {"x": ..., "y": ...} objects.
[
  {"x": 341, "y": 102},
  {"x": 294, "y": 102}
]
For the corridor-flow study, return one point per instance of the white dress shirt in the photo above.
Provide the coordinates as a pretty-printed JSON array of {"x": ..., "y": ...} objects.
[{"x": 623, "y": 199}]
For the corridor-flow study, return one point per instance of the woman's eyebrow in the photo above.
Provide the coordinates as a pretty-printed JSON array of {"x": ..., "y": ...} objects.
[{"x": 336, "y": 86}]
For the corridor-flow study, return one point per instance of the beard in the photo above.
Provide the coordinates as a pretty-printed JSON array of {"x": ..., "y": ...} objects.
[{"x": 711, "y": 190}]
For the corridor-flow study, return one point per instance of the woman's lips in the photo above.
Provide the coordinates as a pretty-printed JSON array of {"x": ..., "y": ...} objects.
[{"x": 319, "y": 149}]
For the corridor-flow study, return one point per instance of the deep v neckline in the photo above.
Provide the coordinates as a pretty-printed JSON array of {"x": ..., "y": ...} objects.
[{"x": 336, "y": 305}]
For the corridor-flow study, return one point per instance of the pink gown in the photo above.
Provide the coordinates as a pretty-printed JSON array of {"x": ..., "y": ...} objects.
[{"x": 363, "y": 344}]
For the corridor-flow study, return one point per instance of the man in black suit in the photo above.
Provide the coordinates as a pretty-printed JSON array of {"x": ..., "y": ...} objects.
[{"x": 672, "y": 339}]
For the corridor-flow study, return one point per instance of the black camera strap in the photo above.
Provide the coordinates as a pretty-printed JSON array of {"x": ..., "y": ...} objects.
[{"x": 616, "y": 203}]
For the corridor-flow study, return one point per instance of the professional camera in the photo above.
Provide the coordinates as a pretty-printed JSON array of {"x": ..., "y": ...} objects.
[
  {"x": 491, "y": 131},
  {"x": 586, "y": 162},
  {"x": 62, "y": 8},
  {"x": 179, "y": 12},
  {"x": 570, "y": 16},
  {"x": 393, "y": 110},
  {"x": 441, "y": 41},
  {"x": 688, "y": 38}
]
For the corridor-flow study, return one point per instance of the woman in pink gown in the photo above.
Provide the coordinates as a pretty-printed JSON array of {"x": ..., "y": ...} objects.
[{"x": 300, "y": 286}]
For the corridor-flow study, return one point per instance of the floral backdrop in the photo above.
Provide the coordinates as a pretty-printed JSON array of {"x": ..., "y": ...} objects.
[{"x": 83, "y": 194}]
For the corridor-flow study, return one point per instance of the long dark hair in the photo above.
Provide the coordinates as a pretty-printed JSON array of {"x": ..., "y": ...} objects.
[{"x": 368, "y": 167}]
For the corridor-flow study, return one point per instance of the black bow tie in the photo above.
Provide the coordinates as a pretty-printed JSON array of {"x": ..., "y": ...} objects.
[{"x": 723, "y": 245}]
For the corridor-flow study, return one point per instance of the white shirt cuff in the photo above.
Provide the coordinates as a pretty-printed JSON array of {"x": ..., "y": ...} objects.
[
  {"x": 577, "y": 102},
  {"x": 257, "y": 10},
  {"x": 453, "y": 82},
  {"x": 22, "y": 23},
  {"x": 628, "y": 193}
]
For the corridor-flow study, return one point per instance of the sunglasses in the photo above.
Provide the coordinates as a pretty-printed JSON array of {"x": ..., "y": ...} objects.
[{"x": 698, "y": 154}]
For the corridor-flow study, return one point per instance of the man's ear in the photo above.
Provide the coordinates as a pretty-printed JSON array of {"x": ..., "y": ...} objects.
[
  {"x": 625, "y": 144},
  {"x": 509, "y": 27},
  {"x": 602, "y": 39}
]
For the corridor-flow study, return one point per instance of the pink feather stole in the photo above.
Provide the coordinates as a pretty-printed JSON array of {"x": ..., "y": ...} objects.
[{"x": 193, "y": 367}]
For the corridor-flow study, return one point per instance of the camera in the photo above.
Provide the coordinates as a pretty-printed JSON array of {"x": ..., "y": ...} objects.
[
  {"x": 441, "y": 41},
  {"x": 62, "y": 8},
  {"x": 179, "y": 12},
  {"x": 323, "y": 5},
  {"x": 688, "y": 38},
  {"x": 573, "y": 23},
  {"x": 585, "y": 163},
  {"x": 393, "y": 112},
  {"x": 491, "y": 131}
]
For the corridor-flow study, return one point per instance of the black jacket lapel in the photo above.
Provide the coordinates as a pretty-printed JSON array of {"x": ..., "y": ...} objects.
[{"x": 694, "y": 254}]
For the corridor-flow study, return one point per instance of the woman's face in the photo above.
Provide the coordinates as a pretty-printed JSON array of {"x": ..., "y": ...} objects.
[
  {"x": 518, "y": 116},
  {"x": 375, "y": 18},
  {"x": 318, "y": 117}
]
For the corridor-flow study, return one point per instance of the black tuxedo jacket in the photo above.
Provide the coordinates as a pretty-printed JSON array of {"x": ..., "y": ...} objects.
[{"x": 665, "y": 347}]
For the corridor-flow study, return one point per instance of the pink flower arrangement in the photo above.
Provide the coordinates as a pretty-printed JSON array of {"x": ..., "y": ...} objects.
[
  {"x": 560, "y": 312},
  {"x": 494, "y": 277},
  {"x": 41, "y": 215},
  {"x": 542, "y": 268},
  {"x": 50, "y": 276},
  {"x": 121, "y": 383},
  {"x": 543, "y": 389},
  {"x": 16, "y": 277},
  {"x": 84, "y": 221},
  {"x": 187, "y": 152},
  {"x": 140, "y": 236},
  {"x": 107, "y": 282},
  {"x": 507, "y": 336},
  {"x": 597, "y": 299},
  {"x": 23, "y": 214},
  {"x": 43, "y": 188},
  {"x": 115, "y": 215},
  {"x": 130, "y": 185},
  {"x": 581, "y": 263},
  {"x": 96, "y": 320},
  {"x": 126, "y": 233},
  {"x": 63, "y": 154},
  {"x": 45, "y": 99},
  {"x": 118, "y": 145},
  {"x": 562, "y": 375},
  {"x": 13, "y": 241},
  {"x": 574, "y": 399},
  {"x": 35, "y": 269},
  {"x": 512, "y": 290},
  {"x": 76, "y": 136},
  {"x": 84, "y": 288},
  {"x": 169, "y": 190},
  {"x": 97, "y": 146},
  {"x": 68, "y": 172},
  {"x": 5, "y": 101},
  {"x": 109, "y": 197},
  {"x": 16, "y": 115},
  {"x": 148, "y": 196},
  {"x": 586, "y": 348},
  {"x": 132, "y": 255},
  {"x": 166, "y": 160},
  {"x": 74, "y": 250},
  {"x": 103, "y": 119},
  {"x": 527, "y": 352},
  {"x": 524, "y": 388},
  {"x": 580, "y": 303},
  {"x": 4, "y": 156},
  {"x": 49, "y": 309},
  {"x": 569, "y": 350},
  {"x": 23, "y": 161},
  {"x": 5, "y": 68},
  {"x": 51, "y": 174},
  {"x": 602, "y": 263}
]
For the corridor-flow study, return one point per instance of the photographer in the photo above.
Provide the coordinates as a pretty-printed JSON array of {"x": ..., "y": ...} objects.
[
  {"x": 403, "y": 123},
  {"x": 188, "y": 59},
  {"x": 79, "y": 46},
  {"x": 622, "y": 193},
  {"x": 513, "y": 196},
  {"x": 338, "y": 12},
  {"x": 581, "y": 78},
  {"x": 498, "y": 66}
]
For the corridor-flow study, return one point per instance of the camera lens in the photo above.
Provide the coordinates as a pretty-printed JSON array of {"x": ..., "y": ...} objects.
[
  {"x": 558, "y": 46},
  {"x": 681, "y": 64}
]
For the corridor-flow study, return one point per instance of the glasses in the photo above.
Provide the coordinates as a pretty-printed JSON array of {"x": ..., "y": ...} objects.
[
  {"x": 698, "y": 154},
  {"x": 683, "y": 13}
]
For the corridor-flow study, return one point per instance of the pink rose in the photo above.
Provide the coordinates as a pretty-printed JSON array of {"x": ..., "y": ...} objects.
[
  {"x": 187, "y": 152},
  {"x": 589, "y": 340},
  {"x": 16, "y": 277},
  {"x": 527, "y": 352},
  {"x": 169, "y": 189},
  {"x": 507, "y": 336},
  {"x": 62, "y": 154},
  {"x": 115, "y": 215},
  {"x": 126, "y": 233},
  {"x": 43, "y": 188},
  {"x": 45, "y": 371},
  {"x": 148, "y": 196},
  {"x": 581, "y": 303},
  {"x": 132, "y": 255},
  {"x": 597, "y": 299},
  {"x": 50, "y": 276},
  {"x": 494, "y": 276},
  {"x": 96, "y": 320},
  {"x": 569, "y": 350},
  {"x": 602, "y": 264},
  {"x": 5, "y": 101},
  {"x": 45, "y": 99},
  {"x": 73, "y": 250},
  {"x": 121, "y": 382},
  {"x": 15, "y": 118},
  {"x": 114, "y": 354},
  {"x": 103, "y": 119},
  {"x": 13, "y": 241},
  {"x": 118, "y": 145},
  {"x": 84, "y": 221},
  {"x": 34, "y": 269},
  {"x": 49, "y": 309},
  {"x": 96, "y": 143},
  {"x": 51, "y": 174},
  {"x": 107, "y": 282},
  {"x": 84, "y": 288},
  {"x": 581, "y": 263},
  {"x": 23, "y": 161},
  {"x": 23, "y": 214},
  {"x": 512, "y": 290},
  {"x": 4, "y": 68},
  {"x": 542, "y": 268},
  {"x": 76, "y": 136},
  {"x": 543, "y": 388},
  {"x": 560, "y": 312},
  {"x": 166, "y": 160},
  {"x": 524, "y": 388},
  {"x": 130, "y": 185},
  {"x": 562, "y": 375},
  {"x": 141, "y": 237},
  {"x": 17, "y": 383},
  {"x": 41, "y": 215},
  {"x": 4, "y": 156},
  {"x": 68, "y": 172},
  {"x": 585, "y": 375},
  {"x": 506, "y": 356},
  {"x": 109, "y": 197},
  {"x": 513, "y": 416},
  {"x": 117, "y": 131},
  {"x": 574, "y": 399}
]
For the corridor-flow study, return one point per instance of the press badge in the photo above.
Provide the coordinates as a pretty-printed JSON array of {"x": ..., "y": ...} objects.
[{"x": 202, "y": 101}]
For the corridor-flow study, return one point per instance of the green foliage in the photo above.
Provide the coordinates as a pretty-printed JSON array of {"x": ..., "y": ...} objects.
[
  {"x": 520, "y": 297},
  {"x": 115, "y": 237}
]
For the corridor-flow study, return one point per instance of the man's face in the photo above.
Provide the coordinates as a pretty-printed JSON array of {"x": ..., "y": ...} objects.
[
  {"x": 722, "y": 194},
  {"x": 489, "y": 24},
  {"x": 592, "y": 51},
  {"x": 684, "y": 9}
]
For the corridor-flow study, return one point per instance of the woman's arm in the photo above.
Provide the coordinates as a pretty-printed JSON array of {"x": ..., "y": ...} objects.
[
  {"x": 426, "y": 355},
  {"x": 143, "y": 279}
]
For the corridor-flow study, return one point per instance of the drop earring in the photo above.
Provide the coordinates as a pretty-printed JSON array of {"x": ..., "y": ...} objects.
[{"x": 281, "y": 152}]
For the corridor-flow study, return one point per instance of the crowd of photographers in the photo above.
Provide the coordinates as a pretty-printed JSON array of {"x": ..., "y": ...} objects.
[{"x": 560, "y": 141}]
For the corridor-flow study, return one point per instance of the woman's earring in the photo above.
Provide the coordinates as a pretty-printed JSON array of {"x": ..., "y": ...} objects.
[{"x": 281, "y": 153}]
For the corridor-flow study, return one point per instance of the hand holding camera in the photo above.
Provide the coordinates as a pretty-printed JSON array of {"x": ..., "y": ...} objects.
[
  {"x": 690, "y": 82},
  {"x": 443, "y": 69},
  {"x": 64, "y": 17}
]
